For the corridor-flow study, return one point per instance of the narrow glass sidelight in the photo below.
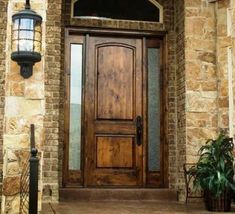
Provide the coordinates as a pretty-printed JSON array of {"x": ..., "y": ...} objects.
[
  {"x": 153, "y": 109},
  {"x": 75, "y": 107}
]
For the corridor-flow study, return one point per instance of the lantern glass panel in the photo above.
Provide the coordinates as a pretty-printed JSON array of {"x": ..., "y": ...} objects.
[
  {"x": 37, "y": 46},
  {"x": 15, "y": 45},
  {"x": 26, "y": 45},
  {"x": 37, "y": 36},
  {"x": 38, "y": 27},
  {"x": 15, "y": 34},
  {"x": 26, "y": 35},
  {"x": 16, "y": 24},
  {"x": 27, "y": 24}
]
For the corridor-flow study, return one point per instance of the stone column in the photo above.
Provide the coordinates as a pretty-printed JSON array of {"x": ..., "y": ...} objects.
[
  {"x": 201, "y": 87},
  {"x": 201, "y": 77},
  {"x": 25, "y": 104},
  {"x": 223, "y": 42}
]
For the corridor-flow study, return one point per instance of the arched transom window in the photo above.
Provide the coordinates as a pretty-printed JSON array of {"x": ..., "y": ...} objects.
[{"x": 139, "y": 10}]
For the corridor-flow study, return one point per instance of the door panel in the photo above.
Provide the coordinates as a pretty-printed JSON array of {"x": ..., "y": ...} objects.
[
  {"x": 115, "y": 152},
  {"x": 115, "y": 80},
  {"x": 113, "y": 101}
]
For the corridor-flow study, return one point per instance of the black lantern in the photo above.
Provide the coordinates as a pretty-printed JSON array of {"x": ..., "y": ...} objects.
[{"x": 26, "y": 39}]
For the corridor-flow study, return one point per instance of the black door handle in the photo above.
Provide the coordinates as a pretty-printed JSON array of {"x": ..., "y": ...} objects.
[{"x": 139, "y": 130}]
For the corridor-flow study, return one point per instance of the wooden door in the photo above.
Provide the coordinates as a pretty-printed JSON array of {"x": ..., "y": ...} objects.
[{"x": 113, "y": 101}]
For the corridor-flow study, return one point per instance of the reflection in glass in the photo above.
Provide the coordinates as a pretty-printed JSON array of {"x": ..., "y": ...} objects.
[
  {"x": 26, "y": 24},
  {"x": 153, "y": 110},
  {"x": 75, "y": 107},
  {"x": 25, "y": 45},
  {"x": 26, "y": 34}
]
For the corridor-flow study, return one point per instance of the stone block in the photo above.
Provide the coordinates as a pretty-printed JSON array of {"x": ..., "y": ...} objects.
[
  {"x": 16, "y": 141},
  {"x": 13, "y": 169},
  {"x": 194, "y": 26},
  {"x": 195, "y": 102},
  {"x": 11, "y": 185},
  {"x": 16, "y": 106},
  {"x": 208, "y": 57},
  {"x": 12, "y": 204},
  {"x": 34, "y": 90}
]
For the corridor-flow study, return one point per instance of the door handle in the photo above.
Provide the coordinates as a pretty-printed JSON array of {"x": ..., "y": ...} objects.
[{"x": 139, "y": 130}]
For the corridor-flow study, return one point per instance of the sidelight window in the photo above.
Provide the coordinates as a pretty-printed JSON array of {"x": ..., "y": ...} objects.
[{"x": 75, "y": 107}]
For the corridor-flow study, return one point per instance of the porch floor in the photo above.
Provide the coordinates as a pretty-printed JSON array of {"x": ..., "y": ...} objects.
[{"x": 124, "y": 207}]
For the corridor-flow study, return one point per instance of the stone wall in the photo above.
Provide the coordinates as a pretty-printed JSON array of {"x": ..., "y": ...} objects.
[
  {"x": 223, "y": 42},
  {"x": 24, "y": 105},
  {"x": 206, "y": 72},
  {"x": 53, "y": 81},
  {"x": 201, "y": 75},
  {"x": 3, "y": 24},
  {"x": 180, "y": 123},
  {"x": 232, "y": 7}
]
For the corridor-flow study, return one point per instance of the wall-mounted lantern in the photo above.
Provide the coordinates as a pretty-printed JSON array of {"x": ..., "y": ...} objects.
[{"x": 26, "y": 39}]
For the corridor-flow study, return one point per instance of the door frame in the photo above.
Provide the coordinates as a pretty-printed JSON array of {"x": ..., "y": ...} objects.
[{"x": 81, "y": 35}]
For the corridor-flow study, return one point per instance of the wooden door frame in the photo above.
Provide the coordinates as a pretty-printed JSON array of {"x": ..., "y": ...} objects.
[{"x": 71, "y": 36}]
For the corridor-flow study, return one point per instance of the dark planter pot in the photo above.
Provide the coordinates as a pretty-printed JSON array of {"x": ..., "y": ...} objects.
[{"x": 220, "y": 204}]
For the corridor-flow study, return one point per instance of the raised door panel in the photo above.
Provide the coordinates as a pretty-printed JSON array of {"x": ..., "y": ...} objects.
[
  {"x": 115, "y": 78},
  {"x": 115, "y": 152}
]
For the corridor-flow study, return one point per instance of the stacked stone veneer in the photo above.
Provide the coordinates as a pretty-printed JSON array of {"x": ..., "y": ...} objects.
[
  {"x": 206, "y": 72},
  {"x": 232, "y": 7},
  {"x": 24, "y": 105},
  {"x": 3, "y": 24},
  {"x": 206, "y": 58},
  {"x": 200, "y": 75}
]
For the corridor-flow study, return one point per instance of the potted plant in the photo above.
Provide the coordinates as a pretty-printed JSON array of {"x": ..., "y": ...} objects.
[{"x": 214, "y": 173}]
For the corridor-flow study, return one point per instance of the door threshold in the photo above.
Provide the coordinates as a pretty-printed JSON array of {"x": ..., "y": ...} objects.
[{"x": 115, "y": 194}]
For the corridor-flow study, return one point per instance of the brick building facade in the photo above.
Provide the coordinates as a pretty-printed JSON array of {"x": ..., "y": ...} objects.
[{"x": 199, "y": 40}]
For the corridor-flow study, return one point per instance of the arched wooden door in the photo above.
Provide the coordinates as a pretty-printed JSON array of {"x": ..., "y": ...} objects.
[{"x": 113, "y": 102}]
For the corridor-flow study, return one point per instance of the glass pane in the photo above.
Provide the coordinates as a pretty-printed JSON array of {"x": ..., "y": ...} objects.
[
  {"x": 25, "y": 45},
  {"x": 37, "y": 46},
  {"x": 14, "y": 45},
  {"x": 26, "y": 24},
  {"x": 26, "y": 34},
  {"x": 37, "y": 36},
  {"x": 16, "y": 24},
  {"x": 75, "y": 107},
  {"x": 38, "y": 27},
  {"x": 142, "y": 10},
  {"x": 15, "y": 34},
  {"x": 153, "y": 110}
]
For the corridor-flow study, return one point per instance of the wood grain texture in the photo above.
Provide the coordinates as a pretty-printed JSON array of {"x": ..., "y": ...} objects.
[
  {"x": 115, "y": 70},
  {"x": 114, "y": 100},
  {"x": 116, "y": 152}
]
